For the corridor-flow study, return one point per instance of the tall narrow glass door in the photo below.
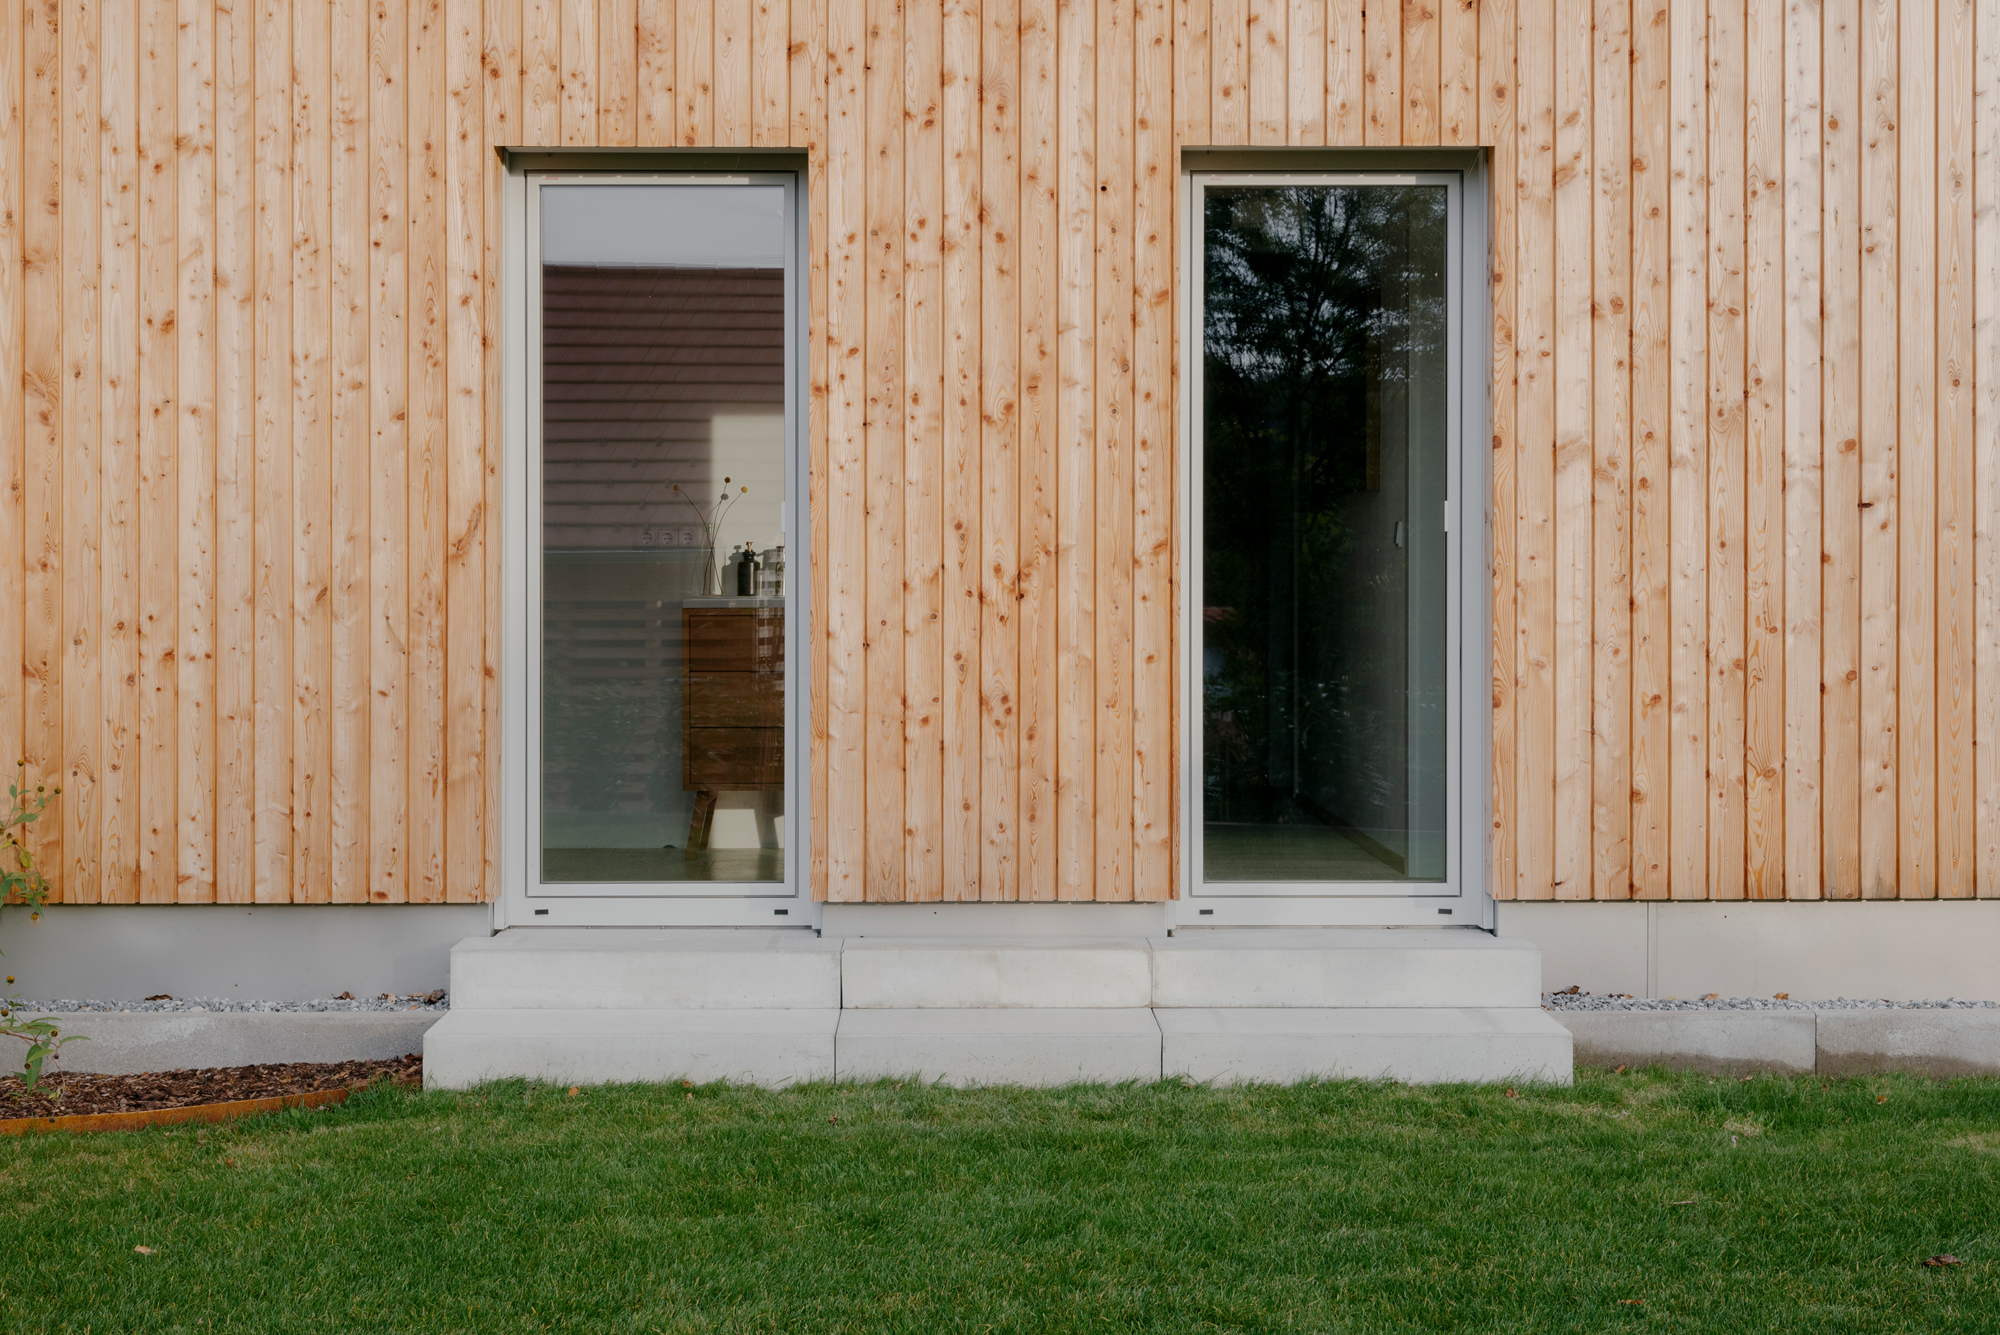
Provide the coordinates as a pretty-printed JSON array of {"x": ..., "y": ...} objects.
[
  {"x": 661, "y": 326},
  {"x": 1321, "y": 566}
]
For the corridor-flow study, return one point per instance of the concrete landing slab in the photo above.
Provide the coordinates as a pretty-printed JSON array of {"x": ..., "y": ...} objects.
[
  {"x": 1282, "y": 1045},
  {"x": 596, "y": 1047},
  {"x": 612, "y": 968},
  {"x": 1345, "y": 967},
  {"x": 1717, "y": 1042},
  {"x": 996, "y": 972},
  {"x": 999, "y": 1047}
]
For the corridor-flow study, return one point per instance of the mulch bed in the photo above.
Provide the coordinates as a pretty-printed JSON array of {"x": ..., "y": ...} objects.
[{"x": 71, "y": 1093}]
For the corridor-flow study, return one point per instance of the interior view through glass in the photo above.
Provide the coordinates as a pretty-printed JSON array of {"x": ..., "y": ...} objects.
[
  {"x": 1322, "y": 545},
  {"x": 663, "y": 514}
]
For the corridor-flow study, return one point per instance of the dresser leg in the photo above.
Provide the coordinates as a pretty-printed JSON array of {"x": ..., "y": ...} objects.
[{"x": 702, "y": 821}]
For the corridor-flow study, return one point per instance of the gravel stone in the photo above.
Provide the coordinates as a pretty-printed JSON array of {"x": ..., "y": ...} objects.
[
  {"x": 390, "y": 1002},
  {"x": 1572, "y": 1000}
]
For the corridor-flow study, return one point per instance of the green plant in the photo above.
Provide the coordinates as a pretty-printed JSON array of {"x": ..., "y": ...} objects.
[{"x": 22, "y": 882}]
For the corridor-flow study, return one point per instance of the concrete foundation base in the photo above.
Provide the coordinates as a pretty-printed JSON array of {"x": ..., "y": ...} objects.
[
  {"x": 189, "y": 1040},
  {"x": 999, "y": 1047},
  {"x": 1800, "y": 1042}
]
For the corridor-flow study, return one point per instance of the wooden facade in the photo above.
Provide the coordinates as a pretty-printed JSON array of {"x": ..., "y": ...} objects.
[{"x": 1745, "y": 395}]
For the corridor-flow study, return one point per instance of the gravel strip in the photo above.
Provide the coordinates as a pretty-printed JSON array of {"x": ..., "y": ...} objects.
[
  {"x": 1573, "y": 1000},
  {"x": 434, "y": 1001}
]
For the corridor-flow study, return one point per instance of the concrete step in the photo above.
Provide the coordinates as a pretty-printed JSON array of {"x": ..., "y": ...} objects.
[
  {"x": 604, "y": 968},
  {"x": 1338, "y": 967},
  {"x": 999, "y": 1047},
  {"x": 1421, "y": 1045},
  {"x": 597, "y": 1046},
  {"x": 916, "y": 973}
]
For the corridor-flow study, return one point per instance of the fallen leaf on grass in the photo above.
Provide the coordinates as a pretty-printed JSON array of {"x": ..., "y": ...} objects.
[
  {"x": 1618, "y": 1070},
  {"x": 148, "y": 1251},
  {"x": 1512, "y": 1095},
  {"x": 834, "y": 1118},
  {"x": 1631, "y": 1302},
  {"x": 1881, "y": 1098},
  {"x": 1944, "y": 1260},
  {"x": 575, "y": 1090}
]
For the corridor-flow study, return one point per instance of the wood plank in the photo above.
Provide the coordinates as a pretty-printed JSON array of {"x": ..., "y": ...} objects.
[
  {"x": 655, "y": 20},
  {"x": 1191, "y": 71},
  {"x": 119, "y": 779},
  {"x": 1422, "y": 69},
  {"x": 1725, "y": 450},
  {"x": 1916, "y": 449},
  {"x": 1880, "y": 356},
  {"x": 806, "y": 68},
  {"x": 14, "y": 87},
  {"x": 1842, "y": 781},
  {"x": 694, "y": 71},
  {"x": 1040, "y": 409},
  {"x": 194, "y": 456},
  {"x": 1229, "y": 52},
  {"x": 503, "y": 117},
  {"x": 1764, "y": 555},
  {"x": 1986, "y": 422},
  {"x": 955, "y": 417},
  {"x": 119, "y": 415},
  {"x": 809, "y": 45},
  {"x": 465, "y": 746},
  {"x": 1535, "y": 414},
  {"x": 1458, "y": 71},
  {"x": 1499, "y": 127},
  {"x": 1382, "y": 32},
  {"x": 1573, "y": 669},
  {"x": 158, "y": 525},
  {"x": 1112, "y": 555},
  {"x": 883, "y": 363},
  {"x": 733, "y": 100},
  {"x": 1804, "y": 238},
  {"x": 843, "y": 826},
  {"x": 1687, "y": 467},
  {"x": 350, "y": 648},
  {"x": 1155, "y": 796},
  {"x": 44, "y": 129},
  {"x": 1957, "y": 800},
  {"x": 311, "y": 460},
  {"x": 1076, "y": 451},
  {"x": 1611, "y": 449},
  {"x": 937, "y": 844},
  {"x": 1652, "y": 371},
  {"x": 1266, "y": 45},
  {"x": 617, "y": 72},
  {"x": 1305, "y": 73},
  {"x": 999, "y": 424},
  {"x": 1346, "y": 73},
  {"x": 388, "y": 448},
  {"x": 235, "y": 456},
  {"x": 579, "y": 70},
  {"x": 272, "y": 526},
  {"x": 770, "y": 78},
  {"x": 542, "y": 72},
  {"x": 426, "y": 478}
]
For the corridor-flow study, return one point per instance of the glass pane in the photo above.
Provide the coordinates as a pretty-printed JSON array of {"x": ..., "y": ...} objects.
[
  {"x": 1323, "y": 550},
  {"x": 663, "y": 529}
]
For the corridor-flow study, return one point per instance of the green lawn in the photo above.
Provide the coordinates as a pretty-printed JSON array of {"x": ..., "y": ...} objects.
[{"x": 1772, "y": 1205}]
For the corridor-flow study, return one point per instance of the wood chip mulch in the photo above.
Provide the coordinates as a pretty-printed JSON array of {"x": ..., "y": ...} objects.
[{"x": 71, "y": 1093}]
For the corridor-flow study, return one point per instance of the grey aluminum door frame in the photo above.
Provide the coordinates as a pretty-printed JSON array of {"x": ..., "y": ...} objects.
[
  {"x": 1461, "y": 897},
  {"x": 524, "y": 899}
]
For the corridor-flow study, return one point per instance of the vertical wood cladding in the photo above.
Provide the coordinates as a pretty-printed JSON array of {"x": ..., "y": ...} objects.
[{"x": 1746, "y": 420}]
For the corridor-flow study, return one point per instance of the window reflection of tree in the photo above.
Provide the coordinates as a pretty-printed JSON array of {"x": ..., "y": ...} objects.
[{"x": 1317, "y": 301}]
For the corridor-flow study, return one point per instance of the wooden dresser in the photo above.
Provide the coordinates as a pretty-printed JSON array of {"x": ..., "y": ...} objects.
[{"x": 733, "y": 702}]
